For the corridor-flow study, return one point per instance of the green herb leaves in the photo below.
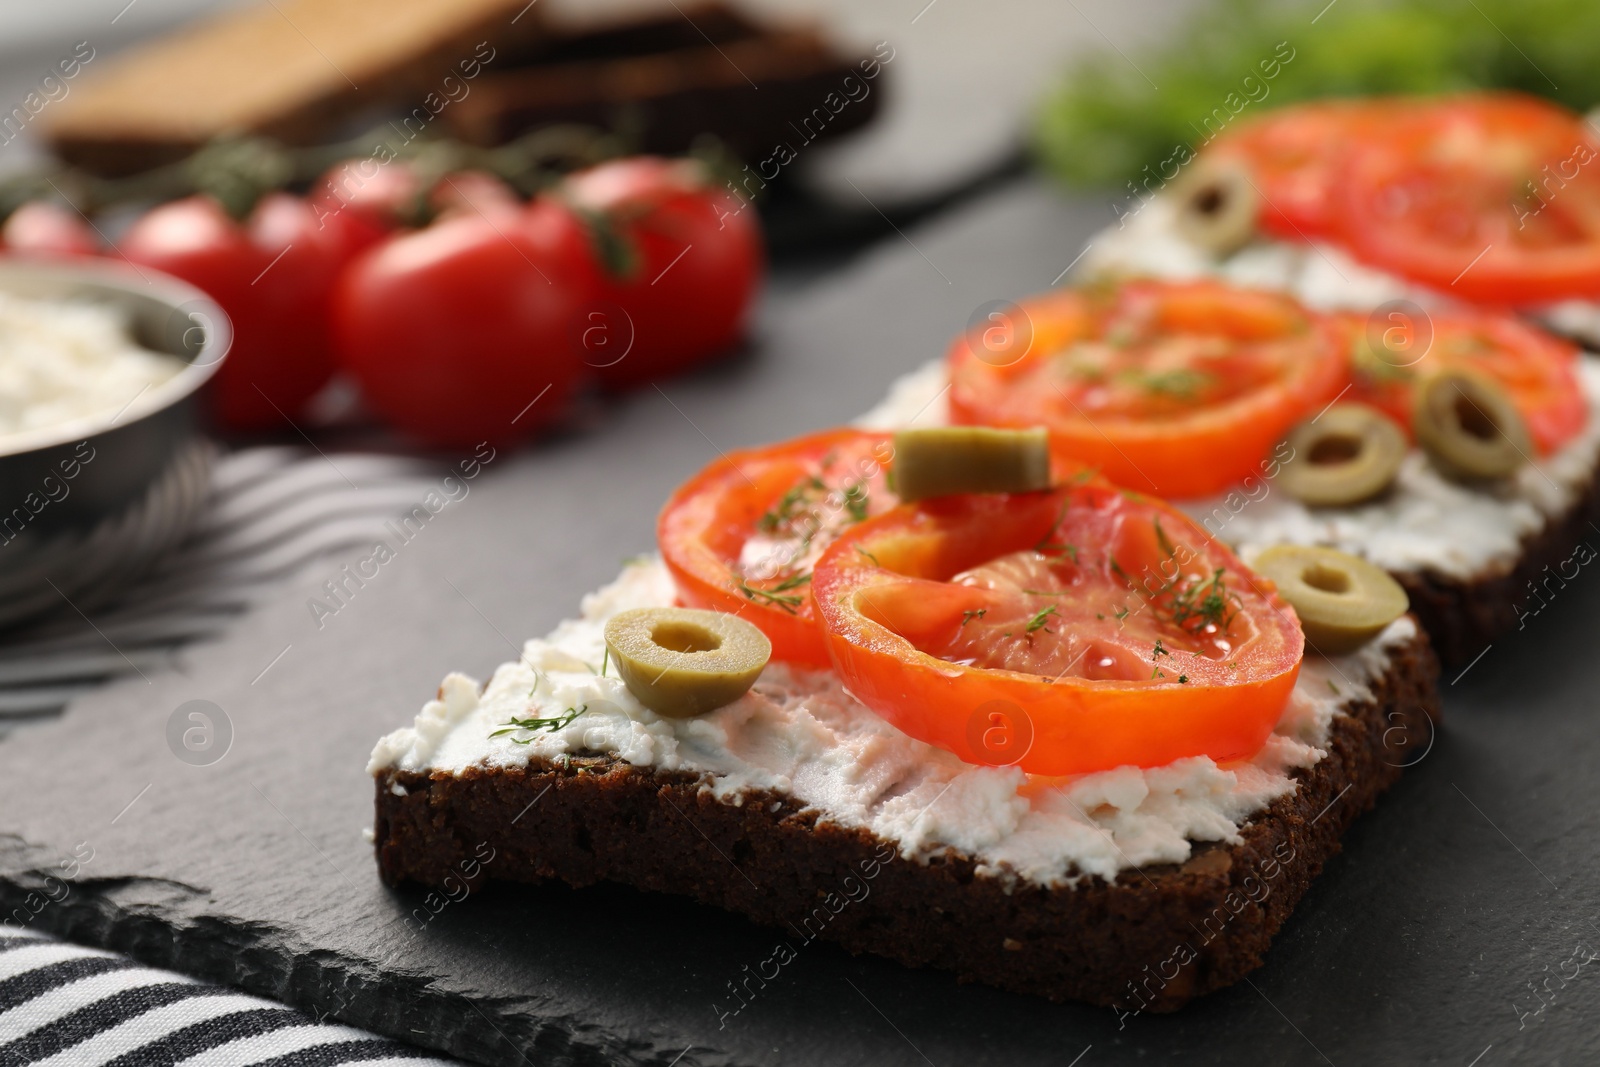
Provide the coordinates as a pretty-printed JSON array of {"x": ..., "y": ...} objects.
[{"x": 551, "y": 724}]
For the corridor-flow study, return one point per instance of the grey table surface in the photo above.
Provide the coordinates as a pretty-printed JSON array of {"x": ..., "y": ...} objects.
[{"x": 1459, "y": 922}]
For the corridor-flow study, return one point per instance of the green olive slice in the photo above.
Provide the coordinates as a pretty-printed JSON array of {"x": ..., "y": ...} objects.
[
  {"x": 682, "y": 662},
  {"x": 1468, "y": 426},
  {"x": 1343, "y": 601},
  {"x": 1348, "y": 454},
  {"x": 942, "y": 460},
  {"x": 1217, "y": 208}
]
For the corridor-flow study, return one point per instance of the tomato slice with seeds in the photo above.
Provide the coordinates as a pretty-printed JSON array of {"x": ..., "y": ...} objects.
[
  {"x": 1066, "y": 631},
  {"x": 743, "y": 534},
  {"x": 1493, "y": 198},
  {"x": 1180, "y": 388},
  {"x": 1538, "y": 371},
  {"x": 1294, "y": 157}
]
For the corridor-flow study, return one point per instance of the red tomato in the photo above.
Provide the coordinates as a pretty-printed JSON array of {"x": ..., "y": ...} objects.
[
  {"x": 682, "y": 259},
  {"x": 376, "y": 196},
  {"x": 1493, "y": 198},
  {"x": 743, "y": 534},
  {"x": 461, "y": 332},
  {"x": 272, "y": 275},
  {"x": 1177, "y": 387},
  {"x": 1067, "y": 631},
  {"x": 474, "y": 192},
  {"x": 1295, "y": 156},
  {"x": 1539, "y": 372},
  {"x": 49, "y": 229}
]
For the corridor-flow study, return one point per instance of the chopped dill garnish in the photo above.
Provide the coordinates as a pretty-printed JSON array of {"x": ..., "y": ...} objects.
[
  {"x": 1157, "y": 673},
  {"x": 1122, "y": 613},
  {"x": 1183, "y": 679},
  {"x": 1038, "y": 621},
  {"x": 794, "y": 580},
  {"x": 787, "y": 601},
  {"x": 553, "y": 723},
  {"x": 1333, "y": 687},
  {"x": 855, "y": 500},
  {"x": 869, "y": 555},
  {"x": 1162, "y": 539},
  {"x": 1159, "y": 650},
  {"x": 975, "y": 613}
]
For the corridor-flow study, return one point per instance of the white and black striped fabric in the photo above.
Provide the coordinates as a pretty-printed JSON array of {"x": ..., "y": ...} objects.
[
  {"x": 66, "y": 1006},
  {"x": 271, "y": 512}
]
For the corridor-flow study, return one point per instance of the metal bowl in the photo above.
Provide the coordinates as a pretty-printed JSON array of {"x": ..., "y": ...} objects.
[{"x": 72, "y": 495}]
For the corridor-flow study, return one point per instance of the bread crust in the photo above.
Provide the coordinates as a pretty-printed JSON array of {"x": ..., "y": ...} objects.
[
  {"x": 1149, "y": 941},
  {"x": 1464, "y": 617}
]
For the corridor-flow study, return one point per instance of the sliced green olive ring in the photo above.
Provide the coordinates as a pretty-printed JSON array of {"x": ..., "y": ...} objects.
[
  {"x": 682, "y": 662},
  {"x": 1468, "y": 426},
  {"x": 943, "y": 460},
  {"x": 1217, "y": 208},
  {"x": 1348, "y": 454},
  {"x": 1342, "y": 601}
]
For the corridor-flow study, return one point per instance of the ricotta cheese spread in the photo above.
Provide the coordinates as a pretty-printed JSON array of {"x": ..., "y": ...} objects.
[
  {"x": 1318, "y": 274},
  {"x": 1425, "y": 522},
  {"x": 63, "y": 361},
  {"x": 798, "y": 732}
]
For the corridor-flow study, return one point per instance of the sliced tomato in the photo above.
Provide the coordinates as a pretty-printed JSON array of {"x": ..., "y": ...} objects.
[
  {"x": 1295, "y": 156},
  {"x": 1493, "y": 198},
  {"x": 1538, "y": 371},
  {"x": 743, "y": 534},
  {"x": 1180, "y": 388},
  {"x": 1066, "y": 631}
]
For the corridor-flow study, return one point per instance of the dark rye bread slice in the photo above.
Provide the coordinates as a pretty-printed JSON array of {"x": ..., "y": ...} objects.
[
  {"x": 1464, "y": 616},
  {"x": 1149, "y": 941}
]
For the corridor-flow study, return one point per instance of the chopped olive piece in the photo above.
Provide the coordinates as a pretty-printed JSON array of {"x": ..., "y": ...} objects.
[
  {"x": 1217, "y": 208},
  {"x": 682, "y": 662},
  {"x": 1342, "y": 601},
  {"x": 1348, "y": 454},
  {"x": 970, "y": 459},
  {"x": 1468, "y": 426}
]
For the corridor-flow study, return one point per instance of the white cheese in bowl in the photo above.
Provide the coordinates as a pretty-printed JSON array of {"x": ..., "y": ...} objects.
[{"x": 63, "y": 361}]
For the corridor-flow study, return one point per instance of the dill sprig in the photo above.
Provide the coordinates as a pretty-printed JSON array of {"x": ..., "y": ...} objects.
[
  {"x": 778, "y": 595},
  {"x": 855, "y": 500},
  {"x": 1039, "y": 619},
  {"x": 551, "y": 724},
  {"x": 975, "y": 613}
]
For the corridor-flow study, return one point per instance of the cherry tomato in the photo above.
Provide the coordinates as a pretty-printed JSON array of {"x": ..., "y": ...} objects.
[
  {"x": 272, "y": 275},
  {"x": 1295, "y": 156},
  {"x": 474, "y": 192},
  {"x": 743, "y": 534},
  {"x": 1538, "y": 371},
  {"x": 1493, "y": 198},
  {"x": 1180, "y": 388},
  {"x": 377, "y": 196},
  {"x": 682, "y": 259},
  {"x": 1073, "y": 630},
  {"x": 48, "y": 229},
  {"x": 461, "y": 332}
]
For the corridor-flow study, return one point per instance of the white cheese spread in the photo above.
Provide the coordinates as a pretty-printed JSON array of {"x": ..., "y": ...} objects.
[
  {"x": 1426, "y": 522},
  {"x": 799, "y": 733},
  {"x": 62, "y": 361}
]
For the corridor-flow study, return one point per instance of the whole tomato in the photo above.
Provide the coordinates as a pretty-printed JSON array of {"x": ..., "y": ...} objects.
[
  {"x": 682, "y": 258},
  {"x": 461, "y": 332},
  {"x": 273, "y": 275},
  {"x": 48, "y": 229}
]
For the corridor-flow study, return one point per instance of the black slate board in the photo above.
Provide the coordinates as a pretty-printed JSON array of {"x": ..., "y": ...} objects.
[{"x": 1461, "y": 906}]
